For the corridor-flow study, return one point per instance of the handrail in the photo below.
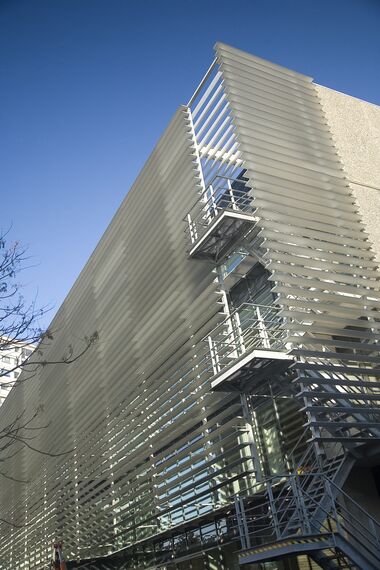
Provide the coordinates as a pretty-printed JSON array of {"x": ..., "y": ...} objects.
[
  {"x": 219, "y": 198},
  {"x": 258, "y": 328},
  {"x": 208, "y": 188},
  {"x": 359, "y": 507},
  {"x": 222, "y": 194},
  {"x": 340, "y": 514},
  {"x": 298, "y": 512},
  {"x": 203, "y": 81},
  {"x": 322, "y": 475},
  {"x": 291, "y": 454},
  {"x": 237, "y": 311}
]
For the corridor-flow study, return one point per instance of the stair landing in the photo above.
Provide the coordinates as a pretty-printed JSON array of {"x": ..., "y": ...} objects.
[{"x": 250, "y": 369}]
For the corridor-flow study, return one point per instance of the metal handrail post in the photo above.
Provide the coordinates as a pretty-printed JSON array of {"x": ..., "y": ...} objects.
[
  {"x": 263, "y": 333},
  {"x": 192, "y": 229},
  {"x": 242, "y": 523},
  {"x": 273, "y": 510},
  {"x": 238, "y": 333},
  {"x": 214, "y": 356},
  {"x": 333, "y": 506},
  {"x": 302, "y": 506},
  {"x": 213, "y": 201},
  {"x": 231, "y": 193}
]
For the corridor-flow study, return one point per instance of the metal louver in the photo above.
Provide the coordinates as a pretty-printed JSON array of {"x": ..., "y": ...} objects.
[{"x": 321, "y": 263}]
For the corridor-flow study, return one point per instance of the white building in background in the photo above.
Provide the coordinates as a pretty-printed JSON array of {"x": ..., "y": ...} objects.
[{"x": 9, "y": 360}]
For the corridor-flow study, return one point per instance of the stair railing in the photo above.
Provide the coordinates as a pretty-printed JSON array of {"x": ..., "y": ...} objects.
[
  {"x": 249, "y": 327},
  {"x": 267, "y": 520},
  {"x": 344, "y": 516},
  {"x": 221, "y": 194},
  {"x": 356, "y": 395}
]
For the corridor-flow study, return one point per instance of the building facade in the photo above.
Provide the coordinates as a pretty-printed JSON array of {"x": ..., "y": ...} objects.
[
  {"x": 11, "y": 359},
  {"x": 229, "y": 414}
]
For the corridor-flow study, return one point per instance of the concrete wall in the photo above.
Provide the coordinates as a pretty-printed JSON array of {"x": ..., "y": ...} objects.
[{"x": 355, "y": 127}]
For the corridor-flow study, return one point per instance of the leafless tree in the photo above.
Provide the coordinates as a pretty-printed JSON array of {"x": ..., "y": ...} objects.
[{"x": 19, "y": 326}]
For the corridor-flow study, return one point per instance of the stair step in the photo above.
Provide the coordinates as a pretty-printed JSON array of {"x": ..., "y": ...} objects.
[
  {"x": 349, "y": 438},
  {"x": 345, "y": 409},
  {"x": 337, "y": 382},
  {"x": 337, "y": 424},
  {"x": 338, "y": 368},
  {"x": 337, "y": 395},
  {"x": 337, "y": 356}
]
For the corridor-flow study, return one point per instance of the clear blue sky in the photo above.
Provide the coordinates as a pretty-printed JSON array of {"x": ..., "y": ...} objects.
[{"x": 87, "y": 86}]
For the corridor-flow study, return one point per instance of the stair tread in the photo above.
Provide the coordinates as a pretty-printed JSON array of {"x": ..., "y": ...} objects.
[
  {"x": 342, "y": 424},
  {"x": 336, "y": 382},
  {"x": 338, "y": 395},
  {"x": 336, "y": 368},
  {"x": 342, "y": 439},
  {"x": 351, "y": 409}
]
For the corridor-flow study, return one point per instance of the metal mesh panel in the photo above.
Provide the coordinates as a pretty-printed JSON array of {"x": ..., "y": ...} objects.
[
  {"x": 320, "y": 260},
  {"x": 152, "y": 447}
]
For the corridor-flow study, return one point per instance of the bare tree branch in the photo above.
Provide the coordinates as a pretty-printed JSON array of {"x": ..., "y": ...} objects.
[{"x": 19, "y": 326}]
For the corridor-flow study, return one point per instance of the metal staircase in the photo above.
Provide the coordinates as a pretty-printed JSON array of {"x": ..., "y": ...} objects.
[
  {"x": 342, "y": 405},
  {"x": 322, "y": 335},
  {"x": 335, "y": 469},
  {"x": 309, "y": 513},
  {"x": 306, "y": 512},
  {"x": 332, "y": 361},
  {"x": 341, "y": 399}
]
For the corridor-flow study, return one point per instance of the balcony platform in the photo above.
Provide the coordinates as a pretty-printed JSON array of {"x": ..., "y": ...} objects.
[
  {"x": 251, "y": 369},
  {"x": 221, "y": 235}
]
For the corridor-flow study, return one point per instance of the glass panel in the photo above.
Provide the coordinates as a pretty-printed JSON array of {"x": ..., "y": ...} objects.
[{"x": 254, "y": 288}]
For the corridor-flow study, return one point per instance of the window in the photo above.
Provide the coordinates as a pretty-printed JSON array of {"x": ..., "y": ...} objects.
[
  {"x": 6, "y": 359},
  {"x": 254, "y": 288}
]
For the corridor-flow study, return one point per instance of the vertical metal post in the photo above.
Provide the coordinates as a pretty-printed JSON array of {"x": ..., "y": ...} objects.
[
  {"x": 232, "y": 196},
  {"x": 238, "y": 334},
  {"x": 214, "y": 356},
  {"x": 212, "y": 202},
  {"x": 273, "y": 510},
  {"x": 263, "y": 333},
  {"x": 333, "y": 505},
  {"x": 252, "y": 445},
  {"x": 301, "y": 506},
  {"x": 242, "y": 523},
  {"x": 192, "y": 229}
]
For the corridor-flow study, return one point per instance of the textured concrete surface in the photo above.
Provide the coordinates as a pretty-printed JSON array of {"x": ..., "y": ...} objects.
[{"x": 355, "y": 128}]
